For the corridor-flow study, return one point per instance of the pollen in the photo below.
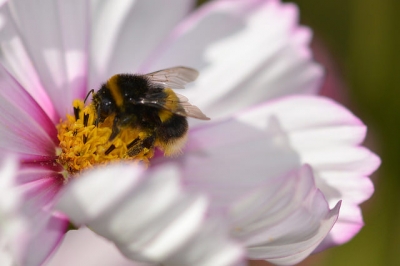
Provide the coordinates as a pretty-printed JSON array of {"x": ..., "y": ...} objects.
[{"x": 83, "y": 144}]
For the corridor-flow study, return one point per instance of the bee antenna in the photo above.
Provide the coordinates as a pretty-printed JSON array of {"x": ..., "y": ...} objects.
[{"x": 90, "y": 92}]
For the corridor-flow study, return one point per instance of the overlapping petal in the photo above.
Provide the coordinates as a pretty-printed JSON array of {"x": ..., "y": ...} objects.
[
  {"x": 284, "y": 220},
  {"x": 244, "y": 50},
  {"x": 148, "y": 215},
  {"x": 233, "y": 156}
]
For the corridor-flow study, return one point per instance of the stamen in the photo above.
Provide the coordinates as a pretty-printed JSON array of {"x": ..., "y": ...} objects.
[
  {"x": 83, "y": 144},
  {"x": 112, "y": 147},
  {"x": 85, "y": 119},
  {"x": 76, "y": 113}
]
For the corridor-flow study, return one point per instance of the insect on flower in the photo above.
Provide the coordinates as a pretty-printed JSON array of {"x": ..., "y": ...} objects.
[{"x": 129, "y": 117}]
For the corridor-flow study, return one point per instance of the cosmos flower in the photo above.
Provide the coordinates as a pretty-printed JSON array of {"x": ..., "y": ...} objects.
[{"x": 264, "y": 179}]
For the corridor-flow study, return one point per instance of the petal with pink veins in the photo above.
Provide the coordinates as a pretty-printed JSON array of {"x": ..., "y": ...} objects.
[{"x": 24, "y": 127}]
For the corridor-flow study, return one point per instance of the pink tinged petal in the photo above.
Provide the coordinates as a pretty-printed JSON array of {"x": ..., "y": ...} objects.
[
  {"x": 245, "y": 52},
  {"x": 146, "y": 214},
  {"x": 284, "y": 220},
  {"x": 16, "y": 60},
  {"x": 56, "y": 43},
  {"x": 312, "y": 126},
  {"x": 40, "y": 187},
  {"x": 33, "y": 233},
  {"x": 354, "y": 189},
  {"x": 343, "y": 231},
  {"x": 271, "y": 139},
  {"x": 125, "y": 33},
  {"x": 43, "y": 189},
  {"x": 84, "y": 247},
  {"x": 24, "y": 127},
  {"x": 41, "y": 245}
]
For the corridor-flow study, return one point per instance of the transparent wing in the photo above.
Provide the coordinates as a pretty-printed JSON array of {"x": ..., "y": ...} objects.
[
  {"x": 174, "y": 78},
  {"x": 188, "y": 109},
  {"x": 185, "y": 108}
]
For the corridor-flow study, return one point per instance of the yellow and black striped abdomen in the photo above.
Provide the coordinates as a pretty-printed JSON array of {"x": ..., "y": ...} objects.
[
  {"x": 171, "y": 105},
  {"x": 115, "y": 90}
]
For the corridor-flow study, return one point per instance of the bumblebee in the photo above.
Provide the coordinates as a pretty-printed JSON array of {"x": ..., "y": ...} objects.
[{"x": 148, "y": 103}]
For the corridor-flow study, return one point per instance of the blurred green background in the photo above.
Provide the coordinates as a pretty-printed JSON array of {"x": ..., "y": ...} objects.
[{"x": 363, "y": 39}]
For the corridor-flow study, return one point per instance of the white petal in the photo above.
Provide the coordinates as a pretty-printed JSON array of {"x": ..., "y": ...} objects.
[
  {"x": 84, "y": 247},
  {"x": 211, "y": 246},
  {"x": 126, "y": 32},
  {"x": 12, "y": 220},
  {"x": 81, "y": 199},
  {"x": 148, "y": 215},
  {"x": 228, "y": 159},
  {"x": 48, "y": 41},
  {"x": 246, "y": 52},
  {"x": 284, "y": 220},
  {"x": 10, "y": 200}
]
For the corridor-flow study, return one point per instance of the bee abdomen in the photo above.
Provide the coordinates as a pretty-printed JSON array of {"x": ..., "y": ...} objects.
[{"x": 171, "y": 134}]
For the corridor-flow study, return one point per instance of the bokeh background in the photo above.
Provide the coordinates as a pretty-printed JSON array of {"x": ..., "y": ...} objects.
[
  {"x": 358, "y": 41},
  {"x": 363, "y": 38}
]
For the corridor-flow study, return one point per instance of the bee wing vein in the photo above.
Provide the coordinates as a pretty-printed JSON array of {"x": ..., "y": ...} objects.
[{"x": 174, "y": 78}]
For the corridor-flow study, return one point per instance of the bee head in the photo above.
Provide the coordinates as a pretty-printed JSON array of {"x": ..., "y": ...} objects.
[{"x": 104, "y": 104}]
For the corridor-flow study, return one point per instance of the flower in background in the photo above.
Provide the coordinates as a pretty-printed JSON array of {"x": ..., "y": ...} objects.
[{"x": 272, "y": 176}]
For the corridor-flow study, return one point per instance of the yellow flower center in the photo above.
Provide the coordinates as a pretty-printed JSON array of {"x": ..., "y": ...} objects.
[{"x": 83, "y": 144}]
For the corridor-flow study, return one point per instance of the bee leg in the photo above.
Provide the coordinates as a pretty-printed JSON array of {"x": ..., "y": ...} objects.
[
  {"x": 96, "y": 123},
  {"x": 115, "y": 129},
  {"x": 138, "y": 145},
  {"x": 149, "y": 142}
]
